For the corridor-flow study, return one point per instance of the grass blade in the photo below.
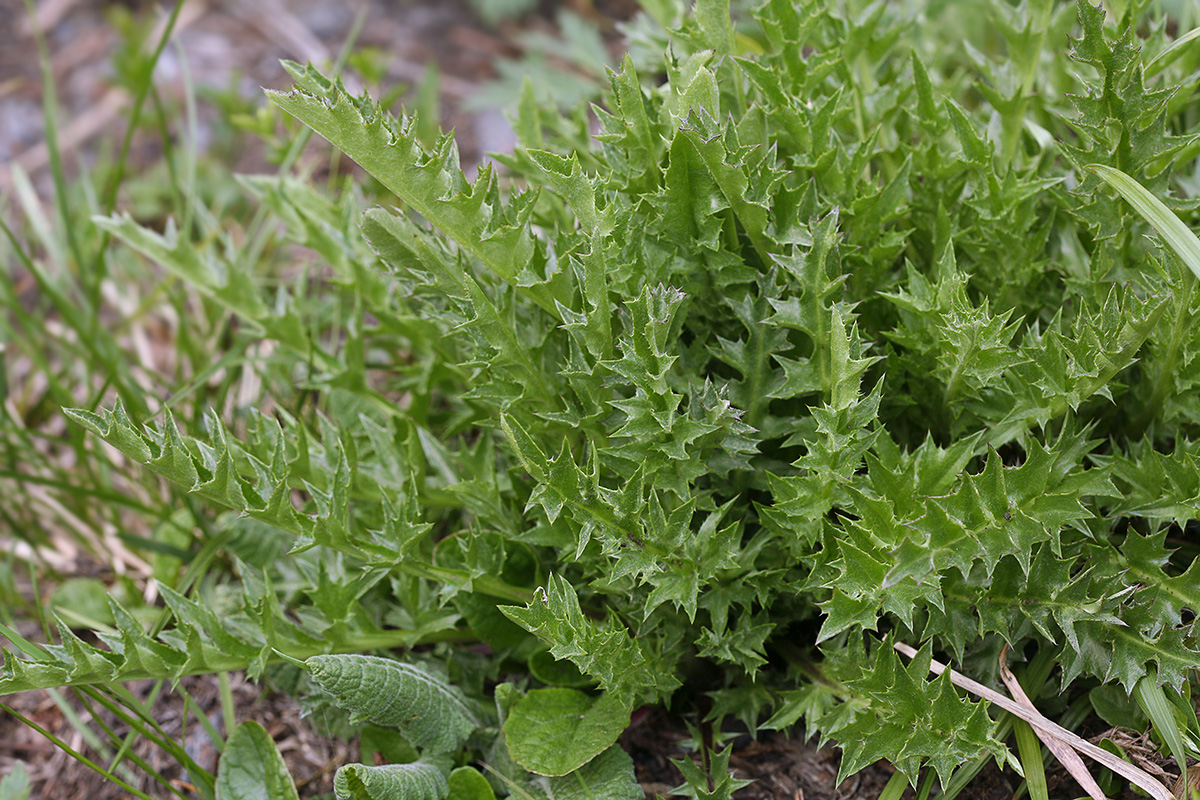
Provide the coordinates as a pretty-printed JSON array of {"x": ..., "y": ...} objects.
[
  {"x": 1177, "y": 235},
  {"x": 895, "y": 787},
  {"x": 1029, "y": 750},
  {"x": 1031, "y": 753},
  {"x": 1153, "y": 700},
  {"x": 1170, "y": 53}
]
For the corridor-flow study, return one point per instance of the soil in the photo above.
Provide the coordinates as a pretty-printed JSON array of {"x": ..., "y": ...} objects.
[
  {"x": 221, "y": 44},
  {"x": 779, "y": 766}
]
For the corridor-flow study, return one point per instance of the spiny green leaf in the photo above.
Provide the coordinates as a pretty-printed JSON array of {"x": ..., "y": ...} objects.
[
  {"x": 717, "y": 783},
  {"x": 607, "y": 654},
  {"x": 914, "y": 720},
  {"x": 428, "y": 180},
  {"x": 204, "y": 270}
]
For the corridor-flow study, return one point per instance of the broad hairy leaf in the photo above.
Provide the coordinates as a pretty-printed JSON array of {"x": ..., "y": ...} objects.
[
  {"x": 555, "y": 731},
  {"x": 428, "y": 711},
  {"x": 608, "y": 776},
  {"x": 251, "y": 767},
  {"x": 415, "y": 781},
  {"x": 467, "y": 783}
]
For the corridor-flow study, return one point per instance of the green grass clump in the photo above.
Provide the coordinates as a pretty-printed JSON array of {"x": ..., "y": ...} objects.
[{"x": 846, "y": 329}]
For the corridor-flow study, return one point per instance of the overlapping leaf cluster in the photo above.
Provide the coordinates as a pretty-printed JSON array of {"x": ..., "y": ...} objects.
[{"x": 812, "y": 347}]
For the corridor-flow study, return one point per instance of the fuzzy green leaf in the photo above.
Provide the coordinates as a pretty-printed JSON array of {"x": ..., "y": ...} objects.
[
  {"x": 556, "y": 731},
  {"x": 429, "y": 712},
  {"x": 608, "y": 776},
  {"x": 415, "y": 781},
  {"x": 467, "y": 783},
  {"x": 251, "y": 767},
  {"x": 16, "y": 784}
]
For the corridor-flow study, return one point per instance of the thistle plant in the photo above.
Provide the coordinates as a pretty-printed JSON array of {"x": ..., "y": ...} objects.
[{"x": 815, "y": 334}]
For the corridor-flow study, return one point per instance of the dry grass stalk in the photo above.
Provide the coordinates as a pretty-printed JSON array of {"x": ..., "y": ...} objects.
[{"x": 1044, "y": 727}]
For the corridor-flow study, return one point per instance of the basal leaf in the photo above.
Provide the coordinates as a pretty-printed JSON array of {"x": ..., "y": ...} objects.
[
  {"x": 608, "y": 776},
  {"x": 610, "y": 655},
  {"x": 429, "y": 712},
  {"x": 430, "y": 181},
  {"x": 16, "y": 784},
  {"x": 915, "y": 720},
  {"x": 467, "y": 783},
  {"x": 556, "y": 731},
  {"x": 251, "y": 767},
  {"x": 416, "y": 781}
]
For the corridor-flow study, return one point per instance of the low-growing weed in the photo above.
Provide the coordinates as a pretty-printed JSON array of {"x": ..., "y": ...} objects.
[{"x": 822, "y": 349}]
